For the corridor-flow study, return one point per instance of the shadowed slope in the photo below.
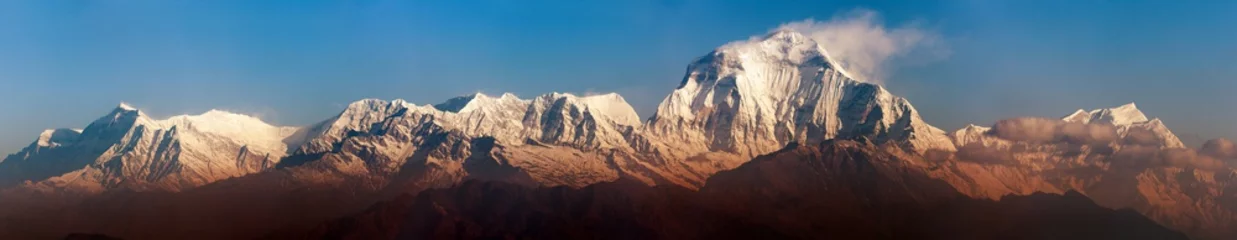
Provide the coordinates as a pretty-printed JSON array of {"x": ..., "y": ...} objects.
[{"x": 840, "y": 190}]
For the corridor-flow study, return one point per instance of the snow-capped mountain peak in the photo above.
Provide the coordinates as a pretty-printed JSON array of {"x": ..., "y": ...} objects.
[
  {"x": 245, "y": 130},
  {"x": 753, "y": 97},
  {"x": 1120, "y": 115},
  {"x": 782, "y": 46},
  {"x": 785, "y": 35},
  {"x": 125, "y": 106},
  {"x": 611, "y": 106},
  {"x": 1128, "y": 118},
  {"x": 119, "y": 120},
  {"x": 1080, "y": 116},
  {"x": 468, "y": 103}
]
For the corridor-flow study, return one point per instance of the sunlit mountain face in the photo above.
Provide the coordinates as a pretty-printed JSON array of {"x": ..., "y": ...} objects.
[{"x": 773, "y": 137}]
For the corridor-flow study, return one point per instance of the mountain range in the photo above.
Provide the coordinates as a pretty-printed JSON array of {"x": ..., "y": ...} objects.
[{"x": 762, "y": 137}]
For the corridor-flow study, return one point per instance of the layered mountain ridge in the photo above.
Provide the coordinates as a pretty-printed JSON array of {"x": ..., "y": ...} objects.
[{"x": 742, "y": 100}]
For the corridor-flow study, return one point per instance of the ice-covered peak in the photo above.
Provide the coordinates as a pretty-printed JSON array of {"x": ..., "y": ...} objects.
[
  {"x": 609, "y": 106},
  {"x": 752, "y": 97},
  {"x": 1080, "y": 116},
  {"x": 120, "y": 119},
  {"x": 125, "y": 106},
  {"x": 1121, "y": 115},
  {"x": 976, "y": 128},
  {"x": 124, "y": 109},
  {"x": 367, "y": 103},
  {"x": 372, "y": 105},
  {"x": 216, "y": 120},
  {"x": 970, "y": 134},
  {"x": 779, "y": 47},
  {"x": 472, "y": 102},
  {"x": 1127, "y": 118},
  {"x": 375, "y": 108},
  {"x": 785, "y": 35},
  {"x": 614, "y": 106},
  {"x": 970, "y": 131},
  {"x": 222, "y": 125},
  {"x": 457, "y": 103},
  {"x": 554, "y": 96}
]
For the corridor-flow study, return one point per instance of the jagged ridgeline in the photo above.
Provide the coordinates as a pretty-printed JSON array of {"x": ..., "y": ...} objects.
[
  {"x": 742, "y": 100},
  {"x": 221, "y": 175}
]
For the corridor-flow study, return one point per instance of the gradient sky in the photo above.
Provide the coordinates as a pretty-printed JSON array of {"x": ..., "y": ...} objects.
[{"x": 65, "y": 63}]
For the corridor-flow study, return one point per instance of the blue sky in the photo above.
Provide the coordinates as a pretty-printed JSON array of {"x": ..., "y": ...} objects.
[{"x": 65, "y": 63}]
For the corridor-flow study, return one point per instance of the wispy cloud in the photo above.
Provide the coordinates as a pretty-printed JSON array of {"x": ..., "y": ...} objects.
[{"x": 859, "y": 41}]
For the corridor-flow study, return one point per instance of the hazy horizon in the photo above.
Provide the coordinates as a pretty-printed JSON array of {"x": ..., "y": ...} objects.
[{"x": 63, "y": 65}]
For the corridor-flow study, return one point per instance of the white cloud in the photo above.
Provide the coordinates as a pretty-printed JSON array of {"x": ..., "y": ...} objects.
[{"x": 859, "y": 41}]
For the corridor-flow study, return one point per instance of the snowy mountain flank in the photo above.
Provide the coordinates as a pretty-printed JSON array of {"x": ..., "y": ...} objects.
[{"x": 744, "y": 100}]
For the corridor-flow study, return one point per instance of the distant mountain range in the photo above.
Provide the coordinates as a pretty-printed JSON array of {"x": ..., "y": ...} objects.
[{"x": 764, "y": 137}]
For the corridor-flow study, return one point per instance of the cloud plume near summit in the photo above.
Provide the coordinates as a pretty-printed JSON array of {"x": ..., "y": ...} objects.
[{"x": 859, "y": 41}]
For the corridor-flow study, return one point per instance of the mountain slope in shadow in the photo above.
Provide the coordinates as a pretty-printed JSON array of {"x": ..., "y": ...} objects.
[{"x": 836, "y": 190}]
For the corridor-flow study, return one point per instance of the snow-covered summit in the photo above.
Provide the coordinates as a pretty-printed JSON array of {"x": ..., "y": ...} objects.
[
  {"x": 466, "y": 103},
  {"x": 125, "y": 106},
  {"x": 1120, "y": 115},
  {"x": 970, "y": 134},
  {"x": 782, "y": 44},
  {"x": 785, "y": 44},
  {"x": 1131, "y": 123},
  {"x": 241, "y": 129},
  {"x": 753, "y": 97},
  {"x": 611, "y": 106}
]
